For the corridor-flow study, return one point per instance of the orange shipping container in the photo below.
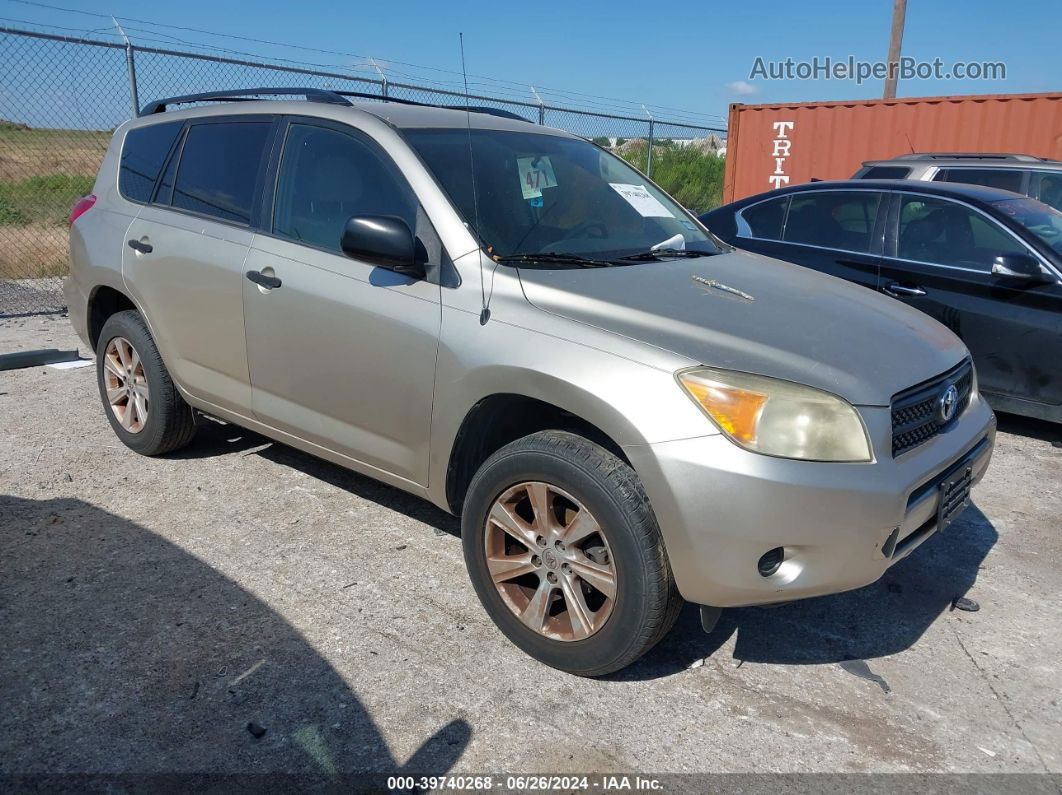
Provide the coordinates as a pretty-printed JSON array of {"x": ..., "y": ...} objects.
[{"x": 770, "y": 146}]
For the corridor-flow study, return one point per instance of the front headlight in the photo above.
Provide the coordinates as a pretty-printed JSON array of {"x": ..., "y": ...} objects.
[{"x": 779, "y": 418}]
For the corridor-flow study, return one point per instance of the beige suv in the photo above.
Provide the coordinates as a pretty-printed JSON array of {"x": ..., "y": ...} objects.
[
  {"x": 514, "y": 324},
  {"x": 1037, "y": 177}
]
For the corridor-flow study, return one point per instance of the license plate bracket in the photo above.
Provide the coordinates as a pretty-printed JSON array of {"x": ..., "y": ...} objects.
[{"x": 954, "y": 496}]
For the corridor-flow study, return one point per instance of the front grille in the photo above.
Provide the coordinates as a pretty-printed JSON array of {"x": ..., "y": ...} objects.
[{"x": 916, "y": 414}]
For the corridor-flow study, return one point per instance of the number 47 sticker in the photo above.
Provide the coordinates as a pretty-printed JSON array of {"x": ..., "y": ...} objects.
[{"x": 536, "y": 174}]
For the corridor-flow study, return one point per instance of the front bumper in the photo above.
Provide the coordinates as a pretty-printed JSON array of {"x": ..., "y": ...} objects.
[{"x": 842, "y": 525}]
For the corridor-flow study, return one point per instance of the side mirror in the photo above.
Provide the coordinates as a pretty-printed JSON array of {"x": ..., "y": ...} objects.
[
  {"x": 382, "y": 240},
  {"x": 1018, "y": 267}
]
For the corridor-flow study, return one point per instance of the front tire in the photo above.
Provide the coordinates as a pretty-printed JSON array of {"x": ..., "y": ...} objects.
[
  {"x": 141, "y": 402},
  {"x": 566, "y": 556}
]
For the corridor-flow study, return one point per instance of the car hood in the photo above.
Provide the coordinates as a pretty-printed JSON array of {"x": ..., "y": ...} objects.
[{"x": 746, "y": 312}]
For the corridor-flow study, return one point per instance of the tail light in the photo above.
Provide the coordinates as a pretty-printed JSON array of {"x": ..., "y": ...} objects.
[{"x": 81, "y": 206}]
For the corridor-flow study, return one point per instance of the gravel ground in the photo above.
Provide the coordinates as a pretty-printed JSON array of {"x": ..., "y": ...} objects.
[
  {"x": 22, "y": 296},
  {"x": 152, "y": 608}
]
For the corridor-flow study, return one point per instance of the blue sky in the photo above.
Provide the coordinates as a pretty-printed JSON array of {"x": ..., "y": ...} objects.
[{"x": 694, "y": 56}]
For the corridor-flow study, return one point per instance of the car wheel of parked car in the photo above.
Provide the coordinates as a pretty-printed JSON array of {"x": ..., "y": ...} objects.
[
  {"x": 141, "y": 402},
  {"x": 564, "y": 552}
]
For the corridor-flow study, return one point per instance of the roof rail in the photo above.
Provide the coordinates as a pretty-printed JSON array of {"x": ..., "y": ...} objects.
[
  {"x": 312, "y": 95},
  {"x": 983, "y": 156},
  {"x": 504, "y": 114},
  {"x": 243, "y": 95}
]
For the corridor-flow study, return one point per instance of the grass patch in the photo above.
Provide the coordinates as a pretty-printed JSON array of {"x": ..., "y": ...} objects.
[
  {"x": 34, "y": 251},
  {"x": 42, "y": 173},
  {"x": 10, "y": 215},
  {"x": 28, "y": 153},
  {"x": 41, "y": 199}
]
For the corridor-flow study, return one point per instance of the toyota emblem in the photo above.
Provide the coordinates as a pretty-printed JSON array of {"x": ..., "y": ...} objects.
[{"x": 947, "y": 403}]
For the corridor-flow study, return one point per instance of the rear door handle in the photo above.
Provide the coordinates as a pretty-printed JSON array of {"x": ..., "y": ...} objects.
[
  {"x": 141, "y": 246},
  {"x": 897, "y": 290},
  {"x": 262, "y": 280}
]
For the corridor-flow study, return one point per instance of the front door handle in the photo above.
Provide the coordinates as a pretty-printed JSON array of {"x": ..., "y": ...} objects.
[
  {"x": 141, "y": 246},
  {"x": 897, "y": 290},
  {"x": 262, "y": 280}
]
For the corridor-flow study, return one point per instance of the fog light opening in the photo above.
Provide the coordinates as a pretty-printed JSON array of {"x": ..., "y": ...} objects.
[
  {"x": 770, "y": 561},
  {"x": 890, "y": 543}
]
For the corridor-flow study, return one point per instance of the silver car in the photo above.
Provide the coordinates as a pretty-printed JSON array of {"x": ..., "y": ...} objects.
[
  {"x": 1037, "y": 177},
  {"x": 517, "y": 326}
]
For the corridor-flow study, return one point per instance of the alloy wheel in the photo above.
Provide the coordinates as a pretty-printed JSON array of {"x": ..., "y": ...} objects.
[
  {"x": 550, "y": 561},
  {"x": 126, "y": 384}
]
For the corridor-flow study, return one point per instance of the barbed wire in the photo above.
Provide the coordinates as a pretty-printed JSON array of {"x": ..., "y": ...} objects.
[{"x": 512, "y": 88}]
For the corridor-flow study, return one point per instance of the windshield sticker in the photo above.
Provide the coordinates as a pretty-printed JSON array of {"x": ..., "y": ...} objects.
[
  {"x": 642, "y": 200},
  {"x": 536, "y": 174}
]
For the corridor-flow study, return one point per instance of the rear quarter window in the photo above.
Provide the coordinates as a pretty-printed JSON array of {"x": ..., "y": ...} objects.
[
  {"x": 886, "y": 172},
  {"x": 143, "y": 153},
  {"x": 763, "y": 220}
]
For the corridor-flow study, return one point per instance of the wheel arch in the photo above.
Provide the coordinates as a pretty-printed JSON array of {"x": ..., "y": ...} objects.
[
  {"x": 498, "y": 417},
  {"x": 103, "y": 302}
]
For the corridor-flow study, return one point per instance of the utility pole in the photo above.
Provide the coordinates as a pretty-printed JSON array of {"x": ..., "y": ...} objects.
[{"x": 899, "y": 11}]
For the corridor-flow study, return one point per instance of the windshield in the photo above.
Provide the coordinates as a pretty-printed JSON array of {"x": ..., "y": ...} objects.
[
  {"x": 1043, "y": 221},
  {"x": 540, "y": 193}
]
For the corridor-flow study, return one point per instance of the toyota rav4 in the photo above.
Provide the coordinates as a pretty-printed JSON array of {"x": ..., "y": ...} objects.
[{"x": 516, "y": 325}]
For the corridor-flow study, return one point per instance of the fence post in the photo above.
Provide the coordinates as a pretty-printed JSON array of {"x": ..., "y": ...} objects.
[
  {"x": 130, "y": 67},
  {"x": 649, "y": 151},
  {"x": 130, "y": 70},
  {"x": 541, "y": 107},
  {"x": 383, "y": 77}
]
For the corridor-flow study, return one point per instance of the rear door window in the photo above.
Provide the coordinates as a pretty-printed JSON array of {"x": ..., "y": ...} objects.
[
  {"x": 219, "y": 166},
  {"x": 838, "y": 220},
  {"x": 143, "y": 153},
  {"x": 1004, "y": 178}
]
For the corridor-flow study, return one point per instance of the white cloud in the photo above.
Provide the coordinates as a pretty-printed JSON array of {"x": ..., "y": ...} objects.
[{"x": 742, "y": 88}]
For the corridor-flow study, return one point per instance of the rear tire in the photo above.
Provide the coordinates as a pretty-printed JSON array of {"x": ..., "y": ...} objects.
[
  {"x": 580, "y": 485},
  {"x": 139, "y": 398}
]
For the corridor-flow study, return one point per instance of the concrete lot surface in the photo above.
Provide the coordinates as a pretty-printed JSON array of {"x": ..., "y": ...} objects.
[{"x": 151, "y": 608}]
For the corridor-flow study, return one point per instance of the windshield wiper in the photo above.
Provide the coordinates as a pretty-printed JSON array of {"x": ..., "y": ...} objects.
[
  {"x": 555, "y": 257},
  {"x": 659, "y": 253}
]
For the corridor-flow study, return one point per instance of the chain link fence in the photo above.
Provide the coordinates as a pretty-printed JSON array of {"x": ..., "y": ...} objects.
[{"x": 62, "y": 97}]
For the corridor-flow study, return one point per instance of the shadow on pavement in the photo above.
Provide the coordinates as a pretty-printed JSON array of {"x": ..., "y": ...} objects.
[
  {"x": 216, "y": 438},
  {"x": 123, "y": 654},
  {"x": 364, "y": 487},
  {"x": 1030, "y": 427},
  {"x": 881, "y": 619}
]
